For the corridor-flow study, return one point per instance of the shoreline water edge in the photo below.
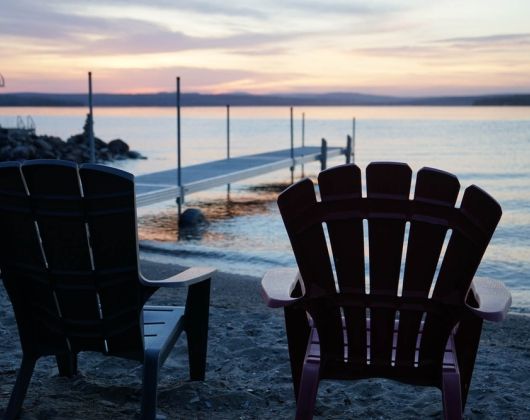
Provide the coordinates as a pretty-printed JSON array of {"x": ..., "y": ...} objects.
[{"x": 248, "y": 374}]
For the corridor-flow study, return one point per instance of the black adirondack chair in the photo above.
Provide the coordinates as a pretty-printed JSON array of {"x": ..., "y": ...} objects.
[
  {"x": 69, "y": 263},
  {"x": 423, "y": 329}
]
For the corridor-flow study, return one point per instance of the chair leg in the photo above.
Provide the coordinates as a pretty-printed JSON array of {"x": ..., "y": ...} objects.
[
  {"x": 196, "y": 315},
  {"x": 21, "y": 386},
  {"x": 307, "y": 394},
  {"x": 452, "y": 398},
  {"x": 297, "y": 330},
  {"x": 150, "y": 384},
  {"x": 67, "y": 364},
  {"x": 467, "y": 339}
]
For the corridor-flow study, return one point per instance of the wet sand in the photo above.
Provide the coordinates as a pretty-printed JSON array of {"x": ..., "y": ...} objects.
[{"x": 248, "y": 374}]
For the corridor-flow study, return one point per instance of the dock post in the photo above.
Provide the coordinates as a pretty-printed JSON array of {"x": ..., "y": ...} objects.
[
  {"x": 353, "y": 141},
  {"x": 228, "y": 144},
  {"x": 180, "y": 198},
  {"x": 347, "y": 151},
  {"x": 91, "y": 121},
  {"x": 303, "y": 141},
  {"x": 323, "y": 155},
  {"x": 292, "y": 148},
  {"x": 228, "y": 131}
]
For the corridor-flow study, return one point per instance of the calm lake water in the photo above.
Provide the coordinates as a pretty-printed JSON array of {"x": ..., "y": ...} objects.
[{"x": 489, "y": 147}]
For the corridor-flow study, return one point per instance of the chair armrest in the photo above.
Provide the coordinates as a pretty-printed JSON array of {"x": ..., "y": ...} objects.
[
  {"x": 186, "y": 278},
  {"x": 493, "y": 298},
  {"x": 277, "y": 286}
]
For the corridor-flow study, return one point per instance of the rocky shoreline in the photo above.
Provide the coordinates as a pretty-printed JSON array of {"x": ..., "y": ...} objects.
[{"x": 24, "y": 144}]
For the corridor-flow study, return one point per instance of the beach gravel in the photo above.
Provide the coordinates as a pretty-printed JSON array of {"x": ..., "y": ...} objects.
[{"x": 248, "y": 374}]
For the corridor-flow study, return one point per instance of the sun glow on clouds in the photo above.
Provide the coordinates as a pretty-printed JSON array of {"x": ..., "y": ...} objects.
[{"x": 387, "y": 47}]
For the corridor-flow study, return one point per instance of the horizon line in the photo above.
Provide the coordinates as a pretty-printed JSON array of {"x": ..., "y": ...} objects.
[{"x": 284, "y": 94}]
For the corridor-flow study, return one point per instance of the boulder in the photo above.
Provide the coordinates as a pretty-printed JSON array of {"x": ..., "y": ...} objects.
[
  {"x": 76, "y": 139},
  {"x": 43, "y": 145},
  {"x": 23, "y": 152},
  {"x": 191, "y": 218},
  {"x": 118, "y": 146},
  {"x": 5, "y": 153}
]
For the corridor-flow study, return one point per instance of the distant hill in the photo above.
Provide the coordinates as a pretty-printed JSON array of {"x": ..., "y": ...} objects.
[
  {"x": 243, "y": 99},
  {"x": 505, "y": 100}
]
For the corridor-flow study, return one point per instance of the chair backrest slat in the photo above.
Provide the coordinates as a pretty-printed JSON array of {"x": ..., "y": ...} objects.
[
  {"x": 347, "y": 243},
  {"x": 424, "y": 246},
  {"x": 16, "y": 220},
  {"x": 111, "y": 220},
  {"x": 111, "y": 217},
  {"x": 312, "y": 255},
  {"x": 386, "y": 234},
  {"x": 461, "y": 259}
]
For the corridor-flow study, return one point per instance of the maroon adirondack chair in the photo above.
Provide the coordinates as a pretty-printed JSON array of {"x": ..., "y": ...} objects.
[
  {"x": 417, "y": 321},
  {"x": 69, "y": 261}
]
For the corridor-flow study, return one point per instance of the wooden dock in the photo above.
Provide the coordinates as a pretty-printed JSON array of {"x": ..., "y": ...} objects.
[{"x": 161, "y": 186}]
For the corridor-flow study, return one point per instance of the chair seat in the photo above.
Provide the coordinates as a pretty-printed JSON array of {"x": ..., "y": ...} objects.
[{"x": 162, "y": 327}]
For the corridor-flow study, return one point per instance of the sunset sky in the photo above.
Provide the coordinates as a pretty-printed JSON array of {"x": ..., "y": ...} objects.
[{"x": 400, "y": 47}]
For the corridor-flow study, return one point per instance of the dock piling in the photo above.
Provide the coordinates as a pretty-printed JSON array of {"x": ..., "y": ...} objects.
[
  {"x": 228, "y": 144},
  {"x": 303, "y": 142},
  {"x": 292, "y": 148},
  {"x": 91, "y": 121},
  {"x": 353, "y": 141},
  {"x": 228, "y": 131},
  {"x": 323, "y": 154},
  {"x": 180, "y": 198},
  {"x": 348, "y": 148}
]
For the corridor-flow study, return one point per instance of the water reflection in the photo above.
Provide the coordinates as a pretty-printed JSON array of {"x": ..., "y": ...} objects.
[{"x": 253, "y": 200}]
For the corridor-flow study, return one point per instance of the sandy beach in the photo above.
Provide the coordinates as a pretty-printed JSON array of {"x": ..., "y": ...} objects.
[{"x": 248, "y": 374}]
